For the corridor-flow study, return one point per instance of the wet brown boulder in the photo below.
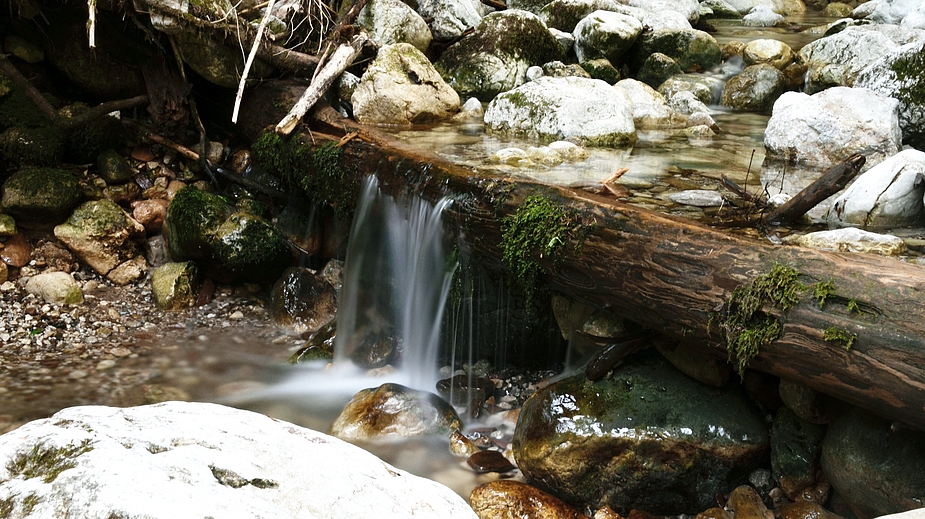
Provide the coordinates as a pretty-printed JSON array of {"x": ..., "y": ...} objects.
[
  {"x": 505, "y": 499},
  {"x": 394, "y": 411}
]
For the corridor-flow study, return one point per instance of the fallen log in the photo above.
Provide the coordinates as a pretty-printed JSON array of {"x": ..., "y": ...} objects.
[{"x": 680, "y": 278}]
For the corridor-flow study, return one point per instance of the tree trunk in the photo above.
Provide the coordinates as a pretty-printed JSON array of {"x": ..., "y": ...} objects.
[{"x": 676, "y": 276}]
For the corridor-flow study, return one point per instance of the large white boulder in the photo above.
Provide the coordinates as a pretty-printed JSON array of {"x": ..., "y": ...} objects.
[
  {"x": 605, "y": 34},
  {"x": 899, "y": 75},
  {"x": 825, "y": 128},
  {"x": 589, "y": 110},
  {"x": 894, "y": 12},
  {"x": 449, "y": 18},
  {"x": 401, "y": 87},
  {"x": 392, "y": 21},
  {"x": 181, "y": 459},
  {"x": 889, "y": 194},
  {"x": 650, "y": 109},
  {"x": 837, "y": 60}
]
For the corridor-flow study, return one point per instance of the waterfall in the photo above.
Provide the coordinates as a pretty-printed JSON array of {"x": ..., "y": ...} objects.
[{"x": 396, "y": 279}]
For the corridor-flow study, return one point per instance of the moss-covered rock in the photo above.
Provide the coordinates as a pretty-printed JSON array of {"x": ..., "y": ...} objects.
[
  {"x": 495, "y": 57},
  {"x": 795, "y": 449},
  {"x": 754, "y": 89},
  {"x": 601, "y": 68},
  {"x": 17, "y": 110},
  {"x": 657, "y": 68},
  {"x": 40, "y": 197},
  {"x": 174, "y": 285},
  {"x": 113, "y": 168},
  {"x": 693, "y": 50},
  {"x": 41, "y": 146},
  {"x": 7, "y": 225},
  {"x": 565, "y": 14},
  {"x": 85, "y": 142},
  {"x": 101, "y": 234},
  {"x": 647, "y": 438},
  {"x": 215, "y": 62},
  {"x": 189, "y": 227}
]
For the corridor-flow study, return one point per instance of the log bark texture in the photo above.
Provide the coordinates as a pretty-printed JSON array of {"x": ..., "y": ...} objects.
[{"x": 674, "y": 275}]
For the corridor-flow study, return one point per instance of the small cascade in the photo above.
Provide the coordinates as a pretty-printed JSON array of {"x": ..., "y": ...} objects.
[{"x": 396, "y": 280}]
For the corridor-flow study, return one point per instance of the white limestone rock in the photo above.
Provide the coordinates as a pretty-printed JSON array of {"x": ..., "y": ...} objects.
[
  {"x": 850, "y": 239},
  {"x": 181, "y": 459},
  {"x": 588, "y": 110},
  {"x": 401, "y": 87},
  {"x": 763, "y": 16},
  {"x": 697, "y": 197},
  {"x": 689, "y": 9},
  {"x": 827, "y": 127},
  {"x": 450, "y": 18},
  {"x": 773, "y": 52},
  {"x": 899, "y": 76},
  {"x": 605, "y": 34},
  {"x": 55, "y": 288},
  {"x": 650, "y": 110},
  {"x": 894, "y": 12},
  {"x": 888, "y": 195},
  {"x": 392, "y": 21},
  {"x": 569, "y": 151},
  {"x": 784, "y": 7},
  {"x": 666, "y": 19}
]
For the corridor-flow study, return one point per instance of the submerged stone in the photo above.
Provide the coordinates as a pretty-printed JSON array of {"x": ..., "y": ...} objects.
[
  {"x": 647, "y": 438},
  {"x": 395, "y": 411}
]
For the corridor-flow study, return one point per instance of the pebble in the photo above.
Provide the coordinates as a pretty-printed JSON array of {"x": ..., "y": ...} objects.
[
  {"x": 77, "y": 374},
  {"x": 105, "y": 364},
  {"x": 236, "y": 315},
  {"x": 489, "y": 461}
]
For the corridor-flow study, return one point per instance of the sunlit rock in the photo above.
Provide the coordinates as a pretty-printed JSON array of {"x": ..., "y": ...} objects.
[
  {"x": 763, "y": 16},
  {"x": 773, "y": 52},
  {"x": 899, "y": 76},
  {"x": 393, "y": 411},
  {"x": 588, "y": 110},
  {"x": 101, "y": 234},
  {"x": 851, "y": 239},
  {"x": 837, "y": 10},
  {"x": 495, "y": 58},
  {"x": 893, "y": 12},
  {"x": 650, "y": 110},
  {"x": 559, "y": 69},
  {"x": 784, "y": 7},
  {"x": 685, "y": 102},
  {"x": 874, "y": 464},
  {"x": 690, "y": 9},
  {"x": 647, "y": 438},
  {"x": 40, "y": 197},
  {"x": 401, "y": 87},
  {"x": 504, "y": 499},
  {"x": 55, "y": 288},
  {"x": 887, "y": 195},
  {"x": 569, "y": 151},
  {"x": 181, "y": 459},
  {"x": 564, "y": 15},
  {"x": 692, "y": 49},
  {"x": 393, "y": 21},
  {"x": 697, "y": 198},
  {"x": 605, "y": 34},
  {"x": 837, "y": 60},
  {"x": 707, "y": 89},
  {"x": 754, "y": 89},
  {"x": 174, "y": 285},
  {"x": 666, "y": 19},
  {"x": 825, "y": 128},
  {"x": 721, "y": 9},
  {"x": 449, "y": 18}
]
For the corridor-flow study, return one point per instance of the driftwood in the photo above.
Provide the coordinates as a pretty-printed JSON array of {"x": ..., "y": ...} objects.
[
  {"x": 676, "y": 276},
  {"x": 831, "y": 182}
]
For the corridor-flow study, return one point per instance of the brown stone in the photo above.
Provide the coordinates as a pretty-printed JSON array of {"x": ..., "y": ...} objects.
[
  {"x": 506, "y": 499},
  {"x": 16, "y": 251},
  {"x": 150, "y": 213},
  {"x": 805, "y": 510},
  {"x": 715, "y": 513},
  {"x": 489, "y": 461},
  {"x": 461, "y": 446},
  {"x": 747, "y": 504},
  {"x": 605, "y": 512}
]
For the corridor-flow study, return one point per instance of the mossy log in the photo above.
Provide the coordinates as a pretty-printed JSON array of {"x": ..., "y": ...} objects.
[{"x": 678, "y": 277}]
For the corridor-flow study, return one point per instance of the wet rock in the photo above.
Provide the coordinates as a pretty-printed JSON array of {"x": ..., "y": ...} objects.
[
  {"x": 657, "y": 68},
  {"x": 392, "y": 21},
  {"x": 837, "y": 60},
  {"x": 692, "y": 50},
  {"x": 128, "y": 271},
  {"x": 401, "y": 87},
  {"x": 559, "y": 69},
  {"x": 824, "y": 128},
  {"x": 211, "y": 460},
  {"x": 805, "y": 510},
  {"x": 876, "y": 466},
  {"x": 319, "y": 347},
  {"x": 461, "y": 446},
  {"x": 55, "y": 288},
  {"x": 394, "y": 411},
  {"x": 496, "y": 56},
  {"x": 763, "y": 16},
  {"x": 16, "y": 251},
  {"x": 302, "y": 300},
  {"x": 851, "y": 239},
  {"x": 707, "y": 89},
  {"x": 650, "y": 110},
  {"x": 101, "y": 234},
  {"x": 40, "y": 197},
  {"x": 810, "y": 405},
  {"x": 449, "y": 18},
  {"x": 303, "y": 226},
  {"x": 122, "y": 194},
  {"x": 564, "y": 15},
  {"x": 795, "y": 449},
  {"x": 745, "y": 503},
  {"x": 7, "y": 226},
  {"x": 609, "y": 442},
  {"x": 486, "y": 461},
  {"x": 685, "y": 102},
  {"x": 715, "y": 513},
  {"x": 557, "y": 108},
  {"x": 605, "y": 34},
  {"x": 605, "y": 512},
  {"x": 113, "y": 168},
  {"x": 697, "y": 362},
  {"x": 506, "y": 499},
  {"x": 601, "y": 68},
  {"x": 174, "y": 285},
  {"x": 837, "y": 10},
  {"x": 894, "y": 75},
  {"x": 754, "y": 89},
  {"x": 150, "y": 213},
  {"x": 697, "y": 198}
]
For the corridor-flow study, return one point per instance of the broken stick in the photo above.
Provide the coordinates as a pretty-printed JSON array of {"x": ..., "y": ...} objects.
[
  {"x": 833, "y": 181},
  {"x": 341, "y": 59}
]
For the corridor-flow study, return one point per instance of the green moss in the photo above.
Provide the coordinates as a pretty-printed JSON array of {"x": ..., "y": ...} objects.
[
  {"x": 538, "y": 230},
  {"x": 840, "y": 335},
  {"x": 42, "y": 146},
  {"x": 6, "y": 507},
  {"x": 853, "y": 305},
  {"x": 317, "y": 171},
  {"x": 908, "y": 69},
  {"x": 822, "y": 290},
  {"x": 28, "y": 503},
  {"x": 192, "y": 217},
  {"x": 46, "y": 462},
  {"x": 746, "y": 327}
]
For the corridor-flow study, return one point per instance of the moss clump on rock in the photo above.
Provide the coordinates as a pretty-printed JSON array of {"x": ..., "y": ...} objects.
[
  {"x": 746, "y": 327},
  {"x": 191, "y": 219},
  {"x": 46, "y": 462},
  {"x": 908, "y": 69},
  {"x": 41, "y": 146}
]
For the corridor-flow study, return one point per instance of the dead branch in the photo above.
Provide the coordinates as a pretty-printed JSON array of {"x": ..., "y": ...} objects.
[
  {"x": 833, "y": 181},
  {"x": 26, "y": 87},
  {"x": 99, "y": 111},
  {"x": 250, "y": 60}
]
